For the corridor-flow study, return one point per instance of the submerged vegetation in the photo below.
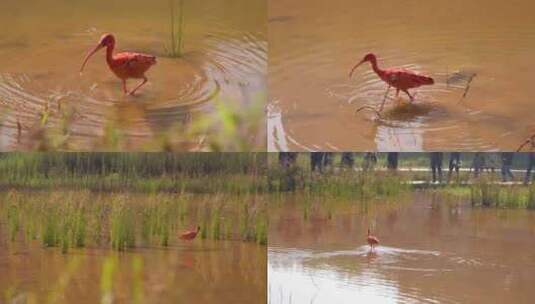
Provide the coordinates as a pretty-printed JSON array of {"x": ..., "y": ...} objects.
[{"x": 487, "y": 194}]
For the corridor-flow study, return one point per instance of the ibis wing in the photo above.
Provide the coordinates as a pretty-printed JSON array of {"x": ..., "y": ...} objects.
[
  {"x": 134, "y": 63},
  {"x": 405, "y": 79}
]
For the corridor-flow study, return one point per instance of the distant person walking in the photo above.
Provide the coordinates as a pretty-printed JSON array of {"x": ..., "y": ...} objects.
[
  {"x": 507, "y": 164},
  {"x": 392, "y": 160},
  {"x": 531, "y": 164},
  {"x": 455, "y": 164},
  {"x": 436, "y": 165}
]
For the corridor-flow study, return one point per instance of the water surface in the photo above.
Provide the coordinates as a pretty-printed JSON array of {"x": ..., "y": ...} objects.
[
  {"x": 432, "y": 251},
  {"x": 224, "y": 60},
  {"x": 314, "y": 45}
]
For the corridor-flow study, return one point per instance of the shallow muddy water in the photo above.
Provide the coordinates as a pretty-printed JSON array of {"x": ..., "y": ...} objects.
[
  {"x": 313, "y": 47},
  {"x": 224, "y": 60},
  {"x": 431, "y": 251},
  {"x": 198, "y": 272}
]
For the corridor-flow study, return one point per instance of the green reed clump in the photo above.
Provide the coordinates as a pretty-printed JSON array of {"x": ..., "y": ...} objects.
[
  {"x": 123, "y": 226},
  {"x": 176, "y": 27},
  {"x": 253, "y": 221},
  {"x": 51, "y": 228},
  {"x": 64, "y": 225},
  {"x": 261, "y": 230},
  {"x": 227, "y": 228},
  {"x": 160, "y": 218},
  {"x": 215, "y": 223},
  {"x": 243, "y": 216},
  {"x": 364, "y": 185},
  {"x": 13, "y": 221},
  {"x": 531, "y": 197},
  {"x": 182, "y": 210},
  {"x": 487, "y": 193},
  {"x": 307, "y": 206},
  {"x": 64, "y": 238}
]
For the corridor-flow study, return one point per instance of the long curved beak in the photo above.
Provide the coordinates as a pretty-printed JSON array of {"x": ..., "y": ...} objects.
[
  {"x": 96, "y": 49},
  {"x": 355, "y": 67}
]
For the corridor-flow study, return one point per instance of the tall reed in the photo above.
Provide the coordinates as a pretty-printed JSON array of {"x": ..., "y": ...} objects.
[{"x": 177, "y": 27}]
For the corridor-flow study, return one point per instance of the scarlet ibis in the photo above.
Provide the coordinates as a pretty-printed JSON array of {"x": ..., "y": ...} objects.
[
  {"x": 372, "y": 240},
  {"x": 400, "y": 79},
  {"x": 124, "y": 65},
  {"x": 190, "y": 235}
]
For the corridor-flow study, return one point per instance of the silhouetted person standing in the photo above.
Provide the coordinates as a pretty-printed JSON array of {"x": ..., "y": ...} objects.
[
  {"x": 507, "y": 163},
  {"x": 436, "y": 165},
  {"x": 478, "y": 163},
  {"x": 316, "y": 161},
  {"x": 531, "y": 164},
  {"x": 287, "y": 159},
  {"x": 328, "y": 159},
  {"x": 348, "y": 160},
  {"x": 455, "y": 164},
  {"x": 392, "y": 160},
  {"x": 370, "y": 160}
]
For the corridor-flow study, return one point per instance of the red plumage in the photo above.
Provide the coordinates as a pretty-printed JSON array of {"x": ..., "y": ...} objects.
[
  {"x": 372, "y": 240},
  {"x": 190, "y": 235},
  {"x": 124, "y": 65}
]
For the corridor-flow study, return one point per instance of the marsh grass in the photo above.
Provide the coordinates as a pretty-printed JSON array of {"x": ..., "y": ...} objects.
[
  {"x": 71, "y": 219},
  {"x": 346, "y": 184},
  {"x": 123, "y": 226},
  {"x": 486, "y": 192}
]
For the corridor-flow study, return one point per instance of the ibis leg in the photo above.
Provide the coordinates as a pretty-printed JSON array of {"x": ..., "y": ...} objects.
[
  {"x": 139, "y": 86},
  {"x": 124, "y": 86},
  {"x": 410, "y": 96},
  {"x": 384, "y": 99}
]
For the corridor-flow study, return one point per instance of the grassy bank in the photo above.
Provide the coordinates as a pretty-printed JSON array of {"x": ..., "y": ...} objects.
[
  {"x": 146, "y": 172},
  {"x": 486, "y": 193},
  {"x": 350, "y": 184}
]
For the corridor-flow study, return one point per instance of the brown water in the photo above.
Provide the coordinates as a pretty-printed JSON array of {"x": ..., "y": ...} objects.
[
  {"x": 40, "y": 56},
  {"x": 198, "y": 272},
  {"x": 314, "y": 44},
  {"x": 431, "y": 251}
]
